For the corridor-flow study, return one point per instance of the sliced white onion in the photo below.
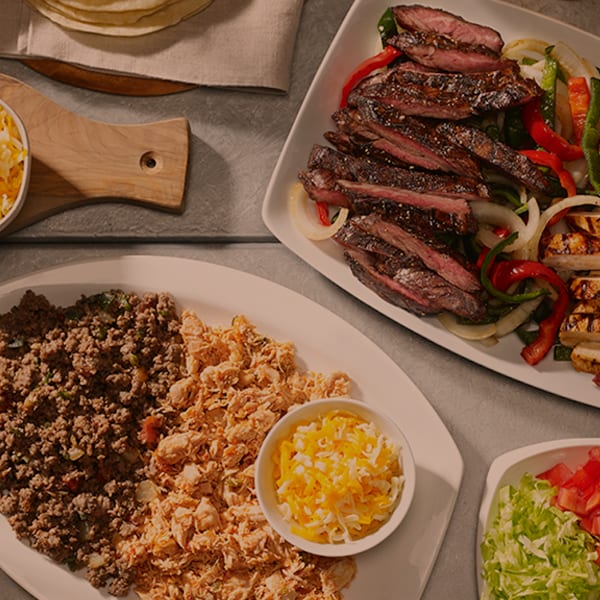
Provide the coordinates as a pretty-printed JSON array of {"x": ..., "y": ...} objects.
[
  {"x": 533, "y": 222},
  {"x": 466, "y": 332},
  {"x": 517, "y": 316},
  {"x": 306, "y": 220},
  {"x": 579, "y": 171},
  {"x": 563, "y": 118},
  {"x": 489, "y": 213},
  {"x": 525, "y": 48},
  {"x": 530, "y": 250},
  {"x": 571, "y": 63}
]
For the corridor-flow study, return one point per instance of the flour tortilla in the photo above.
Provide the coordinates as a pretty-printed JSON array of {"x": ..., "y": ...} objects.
[
  {"x": 116, "y": 6},
  {"x": 125, "y": 23},
  {"x": 122, "y": 18}
]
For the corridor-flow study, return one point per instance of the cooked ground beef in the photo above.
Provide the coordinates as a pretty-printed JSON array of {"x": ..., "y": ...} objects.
[{"x": 77, "y": 384}]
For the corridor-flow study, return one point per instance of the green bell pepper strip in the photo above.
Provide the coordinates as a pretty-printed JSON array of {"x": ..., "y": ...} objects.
[
  {"x": 512, "y": 271},
  {"x": 548, "y": 84},
  {"x": 591, "y": 135},
  {"x": 387, "y": 26},
  {"x": 487, "y": 283}
]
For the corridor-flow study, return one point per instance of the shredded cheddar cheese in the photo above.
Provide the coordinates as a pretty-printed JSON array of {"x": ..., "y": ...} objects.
[
  {"x": 338, "y": 478},
  {"x": 12, "y": 157}
]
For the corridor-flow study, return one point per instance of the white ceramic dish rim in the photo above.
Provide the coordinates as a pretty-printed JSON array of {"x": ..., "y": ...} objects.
[
  {"x": 508, "y": 468},
  {"x": 214, "y": 292},
  {"x": 308, "y": 412},
  {"x": 20, "y": 200},
  {"x": 356, "y": 39}
]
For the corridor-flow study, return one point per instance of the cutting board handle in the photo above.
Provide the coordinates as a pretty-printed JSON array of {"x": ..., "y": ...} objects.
[{"x": 76, "y": 160}]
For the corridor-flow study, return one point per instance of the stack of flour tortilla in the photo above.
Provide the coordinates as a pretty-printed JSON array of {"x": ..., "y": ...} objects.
[{"x": 118, "y": 17}]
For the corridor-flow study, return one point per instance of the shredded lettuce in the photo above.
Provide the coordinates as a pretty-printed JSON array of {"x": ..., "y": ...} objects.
[{"x": 534, "y": 550}]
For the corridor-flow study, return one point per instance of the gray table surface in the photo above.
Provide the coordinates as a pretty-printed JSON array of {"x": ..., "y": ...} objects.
[{"x": 236, "y": 140}]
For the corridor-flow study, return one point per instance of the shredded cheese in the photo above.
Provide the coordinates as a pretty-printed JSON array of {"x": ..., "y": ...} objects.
[
  {"x": 338, "y": 478},
  {"x": 12, "y": 157}
]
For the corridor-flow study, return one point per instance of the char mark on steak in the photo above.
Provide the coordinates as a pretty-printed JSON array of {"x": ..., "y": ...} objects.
[
  {"x": 418, "y": 136},
  {"x": 370, "y": 138},
  {"x": 436, "y": 256},
  {"x": 368, "y": 170},
  {"x": 452, "y": 96},
  {"x": 424, "y": 18},
  {"x": 439, "y": 52},
  {"x": 498, "y": 155},
  {"x": 403, "y": 279},
  {"x": 403, "y": 214}
]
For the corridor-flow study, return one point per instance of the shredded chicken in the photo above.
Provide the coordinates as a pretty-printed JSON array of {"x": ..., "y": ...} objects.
[{"x": 205, "y": 536}]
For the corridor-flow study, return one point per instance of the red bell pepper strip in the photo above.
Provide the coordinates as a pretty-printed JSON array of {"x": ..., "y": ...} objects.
[
  {"x": 549, "y": 159},
  {"x": 323, "y": 213},
  {"x": 579, "y": 101},
  {"x": 511, "y": 271},
  {"x": 489, "y": 256},
  {"x": 383, "y": 59},
  {"x": 545, "y": 136}
]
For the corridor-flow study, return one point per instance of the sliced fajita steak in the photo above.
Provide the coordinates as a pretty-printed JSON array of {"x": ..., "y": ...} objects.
[
  {"x": 439, "y": 52},
  {"x": 437, "y": 257},
  {"x": 424, "y": 18},
  {"x": 452, "y": 96},
  {"x": 369, "y": 170},
  {"x": 498, "y": 155},
  {"x": 405, "y": 280}
]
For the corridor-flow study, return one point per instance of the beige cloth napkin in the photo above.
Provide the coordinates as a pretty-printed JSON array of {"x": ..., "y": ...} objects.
[{"x": 241, "y": 43}]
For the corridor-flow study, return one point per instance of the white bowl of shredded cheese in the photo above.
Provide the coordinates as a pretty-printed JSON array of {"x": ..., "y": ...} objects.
[
  {"x": 335, "y": 477},
  {"x": 15, "y": 164}
]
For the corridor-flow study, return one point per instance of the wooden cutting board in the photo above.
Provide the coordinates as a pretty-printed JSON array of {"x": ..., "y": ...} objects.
[
  {"x": 76, "y": 160},
  {"x": 110, "y": 83}
]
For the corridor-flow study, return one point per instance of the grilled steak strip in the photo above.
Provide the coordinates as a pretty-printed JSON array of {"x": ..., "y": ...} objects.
[
  {"x": 363, "y": 268},
  {"x": 439, "y": 52},
  {"x": 424, "y": 18},
  {"x": 436, "y": 221},
  {"x": 422, "y": 200},
  {"x": 451, "y": 96},
  {"x": 435, "y": 256},
  {"x": 415, "y": 134},
  {"x": 498, "y": 155},
  {"x": 373, "y": 171},
  {"x": 403, "y": 279},
  {"x": 436, "y": 289},
  {"x": 321, "y": 186},
  {"x": 397, "y": 145}
]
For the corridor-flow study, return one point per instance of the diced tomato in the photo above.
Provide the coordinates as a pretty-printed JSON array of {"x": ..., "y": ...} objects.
[
  {"x": 150, "y": 431},
  {"x": 571, "y": 499},
  {"x": 595, "y": 530},
  {"x": 592, "y": 468},
  {"x": 580, "y": 479},
  {"x": 594, "y": 452},
  {"x": 72, "y": 481},
  {"x": 557, "y": 475},
  {"x": 593, "y": 501}
]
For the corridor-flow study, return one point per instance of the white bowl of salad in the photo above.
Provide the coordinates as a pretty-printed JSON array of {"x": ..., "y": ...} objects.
[
  {"x": 539, "y": 522},
  {"x": 335, "y": 477},
  {"x": 15, "y": 164}
]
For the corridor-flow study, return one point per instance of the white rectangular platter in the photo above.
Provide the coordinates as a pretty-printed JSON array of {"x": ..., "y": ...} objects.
[
  {"x": 357, "y": 39},
  {"x": 324, "y": 342}
]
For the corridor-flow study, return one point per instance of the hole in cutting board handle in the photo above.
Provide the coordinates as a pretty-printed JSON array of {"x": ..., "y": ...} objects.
[{"x": 151, "y": 163}]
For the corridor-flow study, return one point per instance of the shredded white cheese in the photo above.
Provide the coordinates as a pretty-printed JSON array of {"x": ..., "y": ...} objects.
[
  {"x": 12, "y": 157},
  {"x": 338, "y": 478}
]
